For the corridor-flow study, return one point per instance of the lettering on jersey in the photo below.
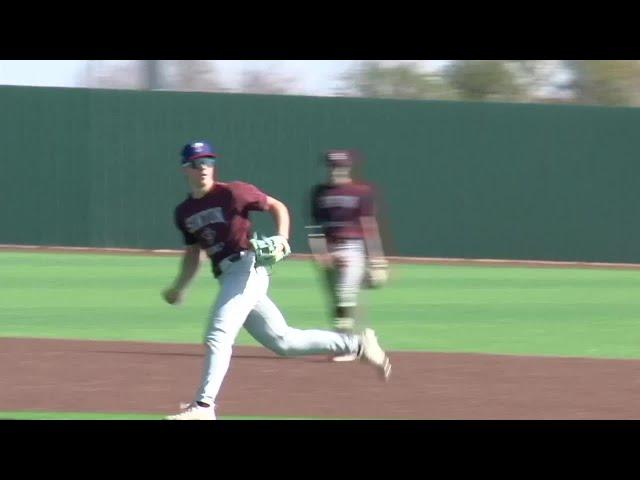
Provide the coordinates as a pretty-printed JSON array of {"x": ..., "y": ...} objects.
[
  {"x": 209, "y": 235},
  {"x": 342, "y": 201},
  {"x": 206, "y": 217}
]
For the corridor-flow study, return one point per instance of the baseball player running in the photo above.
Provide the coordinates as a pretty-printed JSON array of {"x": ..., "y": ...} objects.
[
  {"x": 345, "y": 239},
  {"x": 215, "y": 218}
]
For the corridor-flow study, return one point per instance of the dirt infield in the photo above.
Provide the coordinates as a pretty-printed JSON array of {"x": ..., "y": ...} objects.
[{"x": 86, "y": 376}]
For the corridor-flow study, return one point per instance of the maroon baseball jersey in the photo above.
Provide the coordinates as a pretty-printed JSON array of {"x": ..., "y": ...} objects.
[
  {"x": 338, "y": 208},
  {"x": 219, "y": 221}
]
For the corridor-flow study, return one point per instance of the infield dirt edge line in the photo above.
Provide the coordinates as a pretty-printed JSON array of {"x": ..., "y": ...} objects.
[
  {"x": 306, "y": 256},
  {"x": 261, "y": 348}
]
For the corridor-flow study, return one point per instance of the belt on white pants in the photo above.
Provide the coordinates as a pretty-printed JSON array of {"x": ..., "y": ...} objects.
[{"x": 226, "y": 262}]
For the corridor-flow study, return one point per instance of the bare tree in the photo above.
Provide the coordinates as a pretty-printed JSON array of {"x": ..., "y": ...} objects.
[
  {"x": 393, "y": 80},
  {"x": 539, "y": 80},
  {"x": 483, "y": 80},
  {"x": 267, "y": 81},
  {"x": 114, "y": 74},
  {"x": 605, "y": 82},
  {"x": 192, "y": 75}
]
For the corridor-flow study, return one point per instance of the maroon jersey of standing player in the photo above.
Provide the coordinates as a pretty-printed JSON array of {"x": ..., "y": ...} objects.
[
  {"x": 219, "y": 221},
  {"x": 338, "y": 208}
]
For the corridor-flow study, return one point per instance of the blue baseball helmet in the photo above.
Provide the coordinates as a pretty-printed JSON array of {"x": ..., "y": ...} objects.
[{"x": 194, "y": 150}]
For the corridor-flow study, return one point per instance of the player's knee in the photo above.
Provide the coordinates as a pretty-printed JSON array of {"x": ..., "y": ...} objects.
[
  {"x": 346, "y": 297},
  {"x": 282, "y": 347},
  {"x": 343, "y": 324},
  {"x": 283, "y": 350},
  {"x": 217, "y": 339}
]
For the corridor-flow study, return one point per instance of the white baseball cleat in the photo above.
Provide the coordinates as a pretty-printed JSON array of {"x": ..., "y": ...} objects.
[
  {"x": 372, "y": 352},
  {"x": 194, "y": 411}
]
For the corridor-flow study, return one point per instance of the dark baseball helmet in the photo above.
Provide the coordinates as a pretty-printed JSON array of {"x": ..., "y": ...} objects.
[{"x": 194, "y": 150}]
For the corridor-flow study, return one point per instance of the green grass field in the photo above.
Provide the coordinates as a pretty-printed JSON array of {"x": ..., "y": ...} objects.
[{"x": 505, "y": 310}]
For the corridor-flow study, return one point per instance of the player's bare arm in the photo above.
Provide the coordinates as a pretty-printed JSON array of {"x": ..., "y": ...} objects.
[
  {"x": 377, "y": 266},
  {"x": 188, "y": 269},
  {"x": 315, "y": 234},
  {"x": 372, "y": 239},
  {"x": 280, "y": 214},
  {"x": 318, "y": 246}
]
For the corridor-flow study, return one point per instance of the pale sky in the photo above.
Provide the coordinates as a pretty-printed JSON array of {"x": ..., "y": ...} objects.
[{"x": 316, "y": 77}]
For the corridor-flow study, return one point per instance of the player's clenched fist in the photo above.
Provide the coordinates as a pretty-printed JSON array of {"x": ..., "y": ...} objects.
[{"x": 172, "y": 296}]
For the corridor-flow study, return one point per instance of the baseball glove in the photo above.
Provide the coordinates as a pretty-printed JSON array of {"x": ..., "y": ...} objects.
[
  {"x": 377, "y": 273},
  {"x": 270, "y": 250}
]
